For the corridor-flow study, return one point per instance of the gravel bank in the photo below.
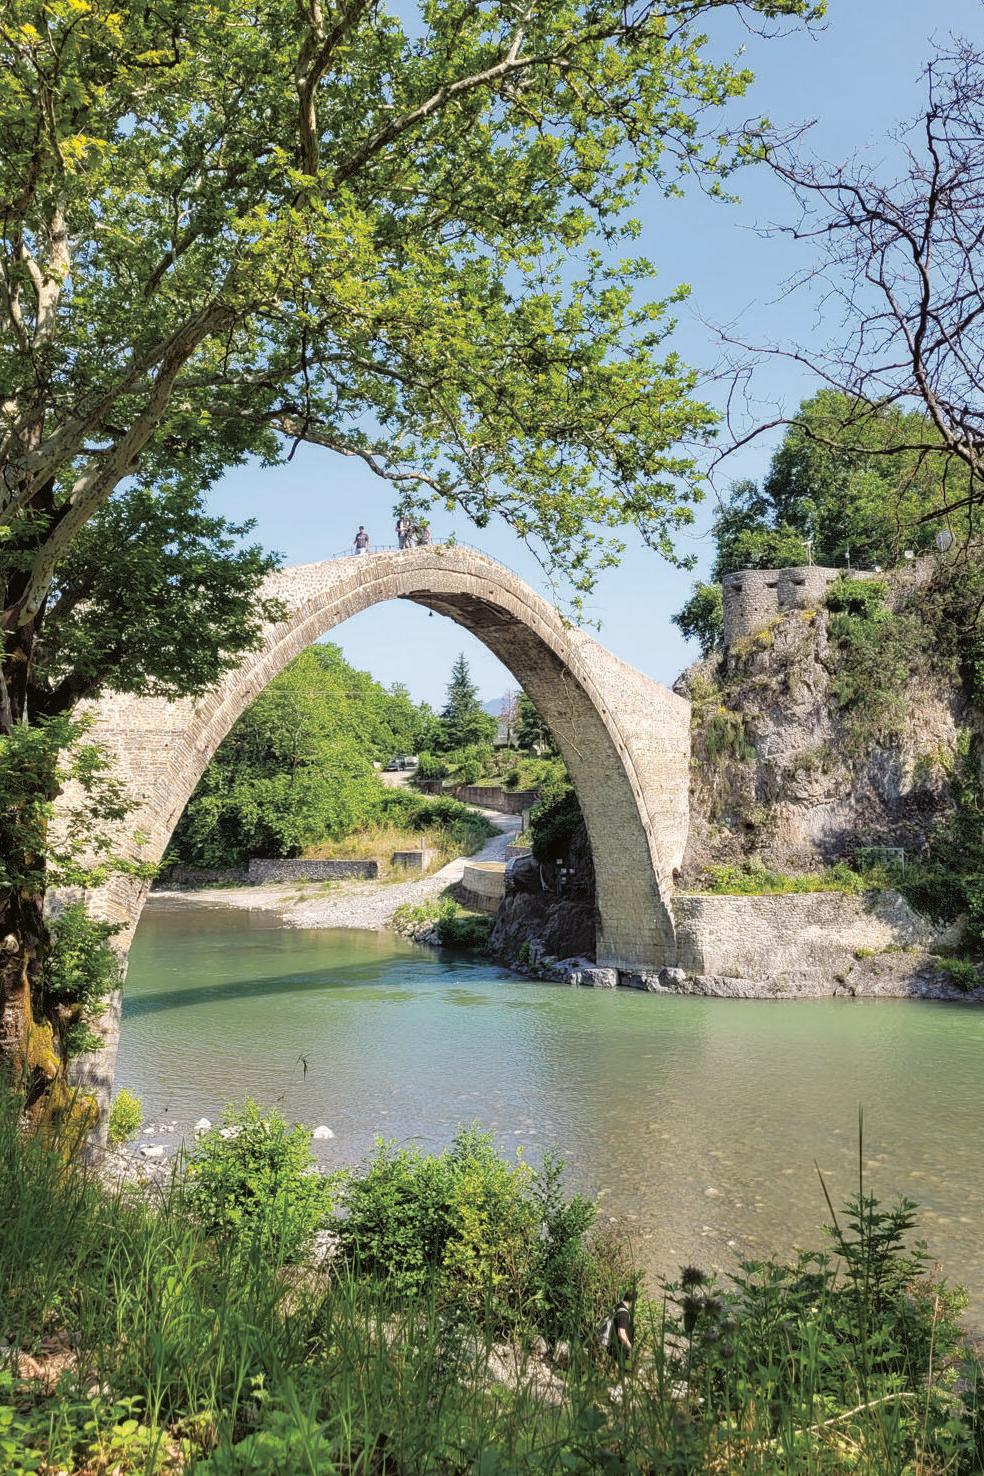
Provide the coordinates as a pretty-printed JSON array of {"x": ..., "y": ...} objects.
[{"x": 354, "y": 904}]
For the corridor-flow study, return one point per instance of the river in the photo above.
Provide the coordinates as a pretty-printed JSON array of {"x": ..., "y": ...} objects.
[{"x": 696, "y": 1122}]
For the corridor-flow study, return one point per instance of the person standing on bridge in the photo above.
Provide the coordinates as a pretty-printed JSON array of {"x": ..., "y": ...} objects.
[
  {"x": 361, "y": 541},
  {"x": 402, "y": 531},
  {"x": 423, "y": 534}
]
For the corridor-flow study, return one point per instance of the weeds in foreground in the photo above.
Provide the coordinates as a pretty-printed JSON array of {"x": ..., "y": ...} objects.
[{"x": 141, "y": 1336}]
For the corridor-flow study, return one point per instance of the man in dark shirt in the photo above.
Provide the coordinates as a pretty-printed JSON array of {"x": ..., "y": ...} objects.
[{"x": 623, "y": 1328}]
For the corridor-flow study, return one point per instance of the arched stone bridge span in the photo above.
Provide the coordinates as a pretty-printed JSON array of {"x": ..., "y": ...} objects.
[{"x": 624, "y": 738}]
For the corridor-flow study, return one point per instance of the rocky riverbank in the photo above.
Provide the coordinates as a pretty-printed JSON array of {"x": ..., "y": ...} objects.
[{"x": 916, "y": 974}]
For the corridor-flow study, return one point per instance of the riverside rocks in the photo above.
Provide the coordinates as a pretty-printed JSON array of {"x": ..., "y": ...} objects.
[{"x": 890, "y": 975}]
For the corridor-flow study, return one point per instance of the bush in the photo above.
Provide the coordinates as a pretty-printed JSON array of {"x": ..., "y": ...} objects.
[
  {"x": 125, "y": 1118},
  {"x": 494, "y": 1239},
  {"x": 963, "y": 972},
  {"x": 255, "y": 1180},
  {"x": 702, "y": 617},
  {"x": 82, "y": 971},
  {"x": 454, "y": 925},
  {"x": 555, "y": 820},
  {"x": 431, "y": 766}
]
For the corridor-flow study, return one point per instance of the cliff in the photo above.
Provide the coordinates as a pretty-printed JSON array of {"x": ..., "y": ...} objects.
[{"x": 826, "y": 734}]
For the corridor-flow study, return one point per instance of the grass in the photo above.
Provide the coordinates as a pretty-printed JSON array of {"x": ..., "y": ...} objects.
[
  {"x": 378, "y": 842},
  {"x": 456, "y": 926},
  {"x": 136, "y": 1343},
  {"x": 753, "y": 879}
]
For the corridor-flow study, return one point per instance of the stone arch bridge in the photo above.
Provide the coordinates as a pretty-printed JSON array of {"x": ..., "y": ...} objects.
[{"x": 625, "y": 739}]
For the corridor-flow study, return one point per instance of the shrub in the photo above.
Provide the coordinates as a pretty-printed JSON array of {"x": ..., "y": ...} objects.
[
  {"x": 455, "y": 927},
  {"x": 125, "y": 1118},
  {"x": 856, "y": 596},
  {"x": 555, "y": 819},
  {"x": 255, "y": 1179},
  {"x": 431, "y": 766},
  {"x": 82, "y": 971},
  {"x": 962, "y": 972},
  {"x": 492, "y": 1238}
]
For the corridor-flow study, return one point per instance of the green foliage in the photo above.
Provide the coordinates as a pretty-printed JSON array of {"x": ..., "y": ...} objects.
[
  {"x": 877, "y": 653},
  {"x": 464, "y": 722},
  {"x": 837, "y": 481},
  {"x": 948, "y": 881},
  {"x": 494, "y": 1238},
  {"x": 455, "y": 926},
  {"x": 358, "y": 273},
  {"x": 464, "y": 826},
  {"x": 155, "y": 596},
  {"x": 555, "y": 819},
  {"x": 432, "y": 766},
  {"x": 532, "y": 732},
  {"x": 752, "y": 878},
  {"x": 297, "y": 769},
  {"x": 253, "y": 1181},
  {"x": 36, "y": 764},
  {"x": 125, "y": 1118},
  {"x": 723, "y": 734},
  {"x": 702, "y": 617},
  {"x": 843, "y": 1359},
  {"x": 862, "y": 598},
  {"x": 82, "y": 970},
  {"x": 962, "y": 972}
]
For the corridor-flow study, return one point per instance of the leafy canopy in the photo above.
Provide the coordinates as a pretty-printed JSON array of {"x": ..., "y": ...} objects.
[
  {"x": 228, "y": 228},
  {"x": 851, "y": 483},
  {"x": 297, "y": 769}
]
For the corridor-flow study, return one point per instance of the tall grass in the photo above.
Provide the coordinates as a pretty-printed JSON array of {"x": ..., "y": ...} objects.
[{"x": 180, "y": 1352}]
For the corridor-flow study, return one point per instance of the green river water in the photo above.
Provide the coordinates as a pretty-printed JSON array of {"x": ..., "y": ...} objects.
[{"x": 696, "y": 1122}]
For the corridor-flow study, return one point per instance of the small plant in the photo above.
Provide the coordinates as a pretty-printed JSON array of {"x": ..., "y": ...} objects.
[
  {"x": 962, "y": 972},
  {"x": 125, "y": 1118},
  {"x": 753, "y": 879}
]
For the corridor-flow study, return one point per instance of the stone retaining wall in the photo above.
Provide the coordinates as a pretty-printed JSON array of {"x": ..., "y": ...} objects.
[
  {"x": 286, "y": 871},
  {"x": 801, "y": 936},
  {"x": 199, "y": 876},
  {"x": 506, "y": 801},
  {"x": 483, "y": 885}
]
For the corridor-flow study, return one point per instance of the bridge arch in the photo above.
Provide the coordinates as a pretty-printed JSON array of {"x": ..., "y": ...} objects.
[{"x": 625, "y": 739}]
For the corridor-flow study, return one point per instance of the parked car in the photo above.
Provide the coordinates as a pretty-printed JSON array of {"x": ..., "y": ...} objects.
[{"x": 400, "y": 763}]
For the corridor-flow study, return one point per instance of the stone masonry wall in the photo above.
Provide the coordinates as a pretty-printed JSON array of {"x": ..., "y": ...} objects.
[
  {"x": 281, "y": 870},
  {"x": 796, "y": 937}
]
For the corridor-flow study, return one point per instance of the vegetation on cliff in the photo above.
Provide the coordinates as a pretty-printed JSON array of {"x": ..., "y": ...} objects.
[{"x": 197, "y": 1330}]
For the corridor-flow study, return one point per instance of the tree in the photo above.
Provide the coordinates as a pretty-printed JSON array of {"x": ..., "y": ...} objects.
[
  {"x": 702, "y": 617},
  {"x": 464, "y": 720},
  {"x": 297, "y": 768},
  {"x": 899, "y": 255},
  {"x": 532, "y": 732},
  {"x": 839, "y": 491},
  {"x": 223, "y": 232}
]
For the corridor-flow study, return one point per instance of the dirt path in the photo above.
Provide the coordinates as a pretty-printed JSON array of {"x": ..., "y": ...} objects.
[{"x": 347, "y": 904}]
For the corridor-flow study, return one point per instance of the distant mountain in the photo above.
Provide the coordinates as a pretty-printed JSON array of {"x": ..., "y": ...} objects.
[{"x": 494, "y": 706}]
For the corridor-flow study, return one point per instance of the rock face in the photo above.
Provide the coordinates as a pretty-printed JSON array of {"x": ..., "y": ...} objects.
[
  {"x": 548, "y": 911},
  {"x": 778, "y": 771}
]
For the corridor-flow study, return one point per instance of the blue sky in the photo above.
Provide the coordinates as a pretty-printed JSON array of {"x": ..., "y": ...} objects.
[{"x": 858, "y": 78}]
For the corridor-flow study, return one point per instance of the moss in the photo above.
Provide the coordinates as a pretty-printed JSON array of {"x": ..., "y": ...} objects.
[{"x": 41, "y": 1054}]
